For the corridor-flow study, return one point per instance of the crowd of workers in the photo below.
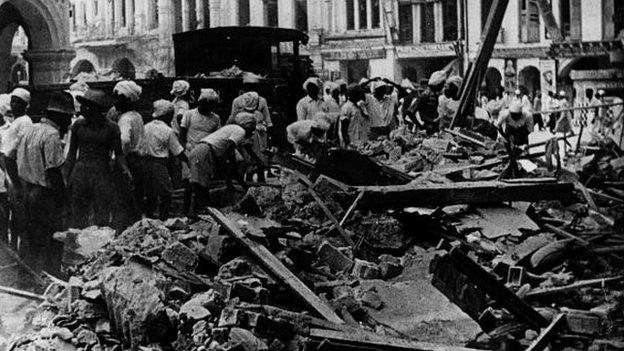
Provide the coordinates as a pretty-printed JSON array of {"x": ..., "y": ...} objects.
[{"x": 87, "y": 163}]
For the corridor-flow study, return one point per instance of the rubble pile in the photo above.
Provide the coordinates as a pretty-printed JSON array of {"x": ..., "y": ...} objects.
[
  {"x": 186, "y": 285},
  {"x": 415, "y": 154}
]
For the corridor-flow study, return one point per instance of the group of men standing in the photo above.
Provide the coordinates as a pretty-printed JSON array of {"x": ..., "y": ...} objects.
[
  {"x": 86, "y": 163},
  {"x": 352, "y": 114}
]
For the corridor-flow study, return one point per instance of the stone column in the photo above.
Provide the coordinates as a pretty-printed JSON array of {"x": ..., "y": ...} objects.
[
  {"x": 140, "y": 16},
  {"x": 286, "y": 13},
  {"x": 110, "y": 19},
  {"x": 356, "y": 14},
  {"x": 189, "y": 21},
  {"x": 214, "y": 7},
  {"x": 166, "y": 26},
  {"x": 257, "y": 12},
  {"x": 369, "y": 14},
  {"x": 130, "y": 16},
  {"x": 118, "y": 12},
  {"x": 417, "y": 22},
  {"x": 48, "y": 66},
  {"x": 438, "y": 19},
  {"x": 200, "y": 14},
  {"x": 79, "y": 7}
]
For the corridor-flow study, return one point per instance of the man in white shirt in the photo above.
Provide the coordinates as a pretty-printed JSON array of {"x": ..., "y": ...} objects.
[
  {"x": 217, "y": 153},
  {"x": 160, "y": 142},
  {"x": 313, "y": 102}
]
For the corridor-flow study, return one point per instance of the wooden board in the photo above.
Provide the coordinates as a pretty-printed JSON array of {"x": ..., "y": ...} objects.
[
  {"x": 401, "y": 196},
  {"x": 367, "y": 339},
  {"x": 547, "y": 335},
  {"x": 274, "y": 266}
]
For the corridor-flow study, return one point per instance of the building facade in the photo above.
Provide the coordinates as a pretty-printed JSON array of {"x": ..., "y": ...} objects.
[{"x": 352, "y": 39}]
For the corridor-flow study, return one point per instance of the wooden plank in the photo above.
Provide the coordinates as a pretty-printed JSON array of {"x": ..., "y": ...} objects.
[
  {"x": 21, "y": 293},
  {"x": 352, "y": 207},
  {"x": 548, "y": 334},
  {"x": 465, "y": 137},
  {"x": 363, "y": 338},
  {"x": 401, "y": 196},
  {"x": 537, "y": 294},
  {"x": 15, "y": 257},
  {"x": 562, "y": 232},
  {"x": 309, "y": 186},
  {"x": 496, "y": 290},
  {"x": 274, "y": 266}
]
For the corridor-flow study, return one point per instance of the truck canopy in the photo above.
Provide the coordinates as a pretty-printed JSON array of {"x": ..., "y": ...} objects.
[{"x": 267, "y": 51}]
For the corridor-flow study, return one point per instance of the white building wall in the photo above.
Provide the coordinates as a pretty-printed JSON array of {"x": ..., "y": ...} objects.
[{"x": 591, "y": 21}]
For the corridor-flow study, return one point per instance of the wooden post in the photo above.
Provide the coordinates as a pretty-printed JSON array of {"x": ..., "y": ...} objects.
[
  {"x": 472, "y": 79},
  {"x": 274, "y": 266},
  {"x": 496, "y": 290}
]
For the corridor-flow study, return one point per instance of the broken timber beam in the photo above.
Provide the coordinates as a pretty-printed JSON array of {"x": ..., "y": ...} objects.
[
  {"x": 497, "y": 291},
  {"x": 476, "y": 71},
  {"x": 310, "y": 187},
  {"x": 364, "y": 339},
  {"x": 550, "y": 22},
  {"x": 538, "y": 294},
  {"x": 401, "y": 196},
  {"x": 547, "y": 335},
  {"x": 21, "y": 293},
  {"x": 274, "y": 266}
]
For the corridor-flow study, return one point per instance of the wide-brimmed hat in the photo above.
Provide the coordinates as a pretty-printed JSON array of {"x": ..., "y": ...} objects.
[
  {"x": 96, "y": 98},
  {"x": 61, "y": 102}
]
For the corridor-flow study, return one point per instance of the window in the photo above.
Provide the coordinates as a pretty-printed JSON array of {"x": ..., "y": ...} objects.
[
  {"x": 449, "y": 13},
  {"x": 375, "y": 14},
  {"x": 72, "y": 14},
  {"x": 243, "y": 13},
  {"x": 123, "y": 13},
  {"x": 427, "y": 24},
  {"x": 301, "y": 15},
  {"x": 271, "y": 14},
  {"x": 618, "y": 17},
  {"x": 564, "y": 15},
  {"x": 529, "y": 21},
  {"x": 153, "y": 14},
  {"x": 206, "y": 14},
  {"x": 406, "y": 24},
  {"x": 96, "y": 8},
  {"x": 362, "y": 9},
  {"x": 350, "y": 14}
]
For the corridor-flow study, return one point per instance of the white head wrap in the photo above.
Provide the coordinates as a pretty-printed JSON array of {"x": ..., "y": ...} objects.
[{"x": 129, "y": 89}]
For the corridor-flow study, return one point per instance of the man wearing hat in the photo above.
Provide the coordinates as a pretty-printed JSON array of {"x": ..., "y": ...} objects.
[
  {"x": 312, "y": 103},
  {"x": 94, "y": 140},
  {"x": 19, "y": 101},
  {"x": 126, "y": 94},
  {"x": 195, "y": 125},
  {"x": 20, "y": 98},
  {"x": 39, "y": 160},
  {"x": 448, "y": 103},
  {"x": 516, "y": 123},
  {"x": 251, "y": 83},
  {"x": 160, "y": 141},
  {"x": 424, "y": 109},
  {"x": 307, "y": 134},
  {"x": 217, "y": 153},
  {"x": 180, "y": 91}
]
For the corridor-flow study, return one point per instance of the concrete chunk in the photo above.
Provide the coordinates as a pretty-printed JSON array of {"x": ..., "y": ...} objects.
[{"x": 333, "y": 258}]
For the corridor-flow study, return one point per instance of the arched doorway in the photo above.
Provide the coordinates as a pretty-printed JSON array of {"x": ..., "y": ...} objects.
[
  {"x": 493, "y": 80},
  {"x": 124, "y": 68},
  {"x": 19, "y": 73},
  {"x": 529, "y": 78},
  {"x": 82, "y": 66},
  {"x": 46, "y": 25}
]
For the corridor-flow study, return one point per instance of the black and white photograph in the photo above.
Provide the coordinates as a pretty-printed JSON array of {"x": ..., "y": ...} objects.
[{"x": 311, "y": 175}]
